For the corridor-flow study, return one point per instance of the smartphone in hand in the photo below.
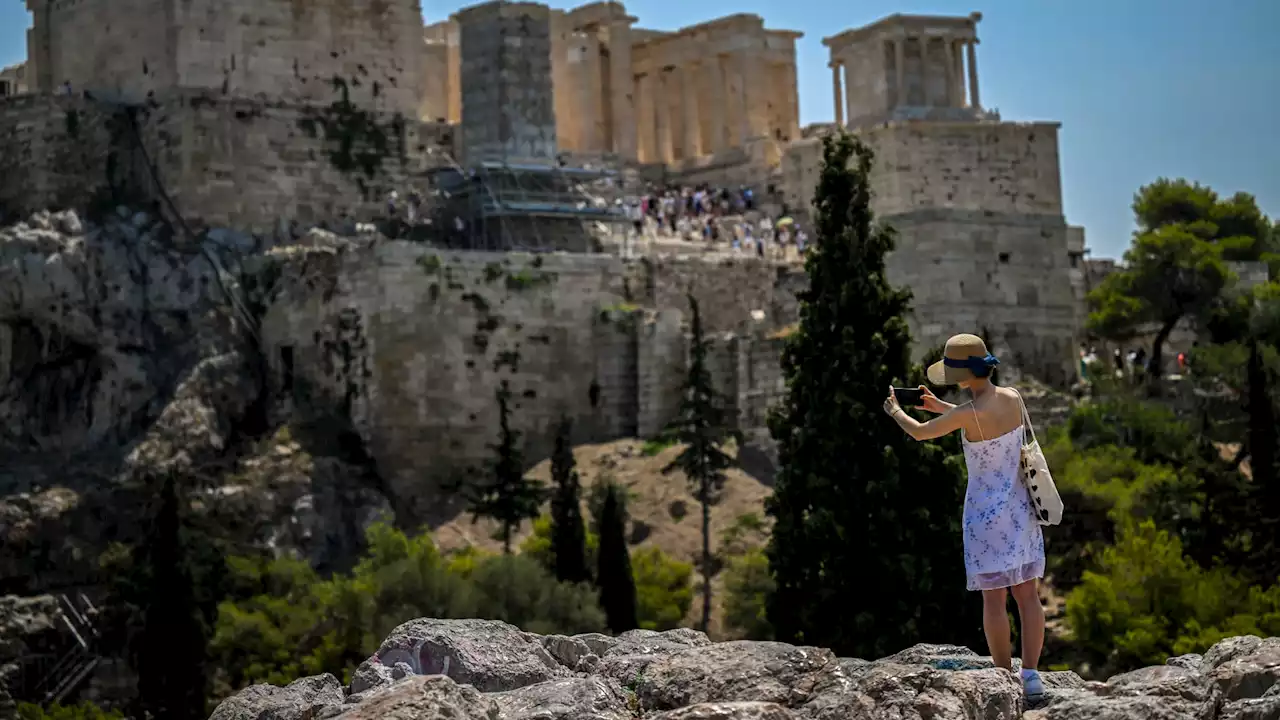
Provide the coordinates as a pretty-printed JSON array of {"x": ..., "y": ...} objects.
[{"x": 908, "y": 397}]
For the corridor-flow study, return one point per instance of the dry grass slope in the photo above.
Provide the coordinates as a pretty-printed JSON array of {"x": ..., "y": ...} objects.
[{"x": 663, "y": 511}]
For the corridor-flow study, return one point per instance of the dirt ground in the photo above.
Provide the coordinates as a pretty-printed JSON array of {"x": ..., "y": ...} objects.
[{"x": 663, "y": 511}]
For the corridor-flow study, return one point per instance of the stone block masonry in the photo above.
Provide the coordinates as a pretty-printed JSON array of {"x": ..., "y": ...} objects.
[
  {"x": 54, "y": 152},
  {"x": 412, "y": 344},
  {"x": 508, "y": 110},
  {"x": 253, "y": 165},
  {"x": 232, "y": 162},
  {"x": 982, "y": 242},
  {"x": 280, "y": 50}
]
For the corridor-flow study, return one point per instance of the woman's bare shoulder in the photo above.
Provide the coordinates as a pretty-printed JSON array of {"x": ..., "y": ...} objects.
[{"x": 1010, "y": 400}]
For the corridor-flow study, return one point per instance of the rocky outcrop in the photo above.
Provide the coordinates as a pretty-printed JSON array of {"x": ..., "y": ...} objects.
[
  {"x": 128, "y": 351},
  {"x": 489, "y": 670}
]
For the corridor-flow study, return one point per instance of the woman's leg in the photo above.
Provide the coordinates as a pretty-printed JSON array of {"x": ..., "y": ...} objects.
[
  {"x": 1027, "y": 595},
  {"x": 995, "y": 623}
]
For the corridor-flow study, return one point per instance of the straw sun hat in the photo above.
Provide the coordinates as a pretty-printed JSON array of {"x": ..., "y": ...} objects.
[{"x": 965, "y": 358}]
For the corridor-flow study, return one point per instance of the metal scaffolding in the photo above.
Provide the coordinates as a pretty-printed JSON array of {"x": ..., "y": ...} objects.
[{"x": 501, "y": 206}]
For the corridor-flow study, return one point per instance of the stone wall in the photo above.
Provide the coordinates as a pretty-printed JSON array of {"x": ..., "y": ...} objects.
[
  {"x": 982, "y": 240},
  {"x": 994, "y": 274},
  {"x": 238, "y": 163},
  {"x": 54, "y": 152},
  {"x": 253, "y": 165},
  {"x": 508, "y": 111},
  {"x": 292, "y": 51},
  {"x": 993, "y": 167},
  {"x": 413, "y": 344},
  {"x": 116, "y": 48},
  {"x": 267, "y": 49}
]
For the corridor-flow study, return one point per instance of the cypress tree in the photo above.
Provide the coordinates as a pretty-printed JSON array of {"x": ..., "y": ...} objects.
[
  {"x": 504, "y": 493},
  {"x": 568, "y": 532},
  {"x": 866, "y": 546},
  {"x": 170, "y": 652},
  {"x": 613, "y": 575},
  {"x": 702, "y": 426}
]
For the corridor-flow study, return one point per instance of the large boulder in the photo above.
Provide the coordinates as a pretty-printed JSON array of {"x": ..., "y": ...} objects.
[
  {"x": 738, "y": 671},
  {"x": 1246, "y": 673},
  {"x": 814, "y": 685},
  {"x": 490, "y": 655},
  {"x": 892, "y": 691},
  {"x": 626, "y": 657},
  {"x": 422, "y": 697},
  {"x": 1159, "y": 692},
  {"x": 299, "y": 700},
  {"x": 578, "y": 698}
]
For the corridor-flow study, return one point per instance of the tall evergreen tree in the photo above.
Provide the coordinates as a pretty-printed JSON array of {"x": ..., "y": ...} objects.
[
  {"x": 702, "y": 426},
  {"x": 504, "y": 493},
  {"x": 170, "y": 651},
  {"x": 613, "y": 575},
  {"x": 568, "y": 531},
  {"x": 866, "y": 547}
]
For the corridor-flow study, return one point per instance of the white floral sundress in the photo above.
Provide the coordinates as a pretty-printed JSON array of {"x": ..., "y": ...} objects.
[{"x": 1003, "y": 545}]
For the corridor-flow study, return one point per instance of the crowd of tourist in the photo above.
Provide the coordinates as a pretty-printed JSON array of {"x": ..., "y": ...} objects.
[
  {"x": 1133, "y": 363},
  {"x": 718, "y": 217}
]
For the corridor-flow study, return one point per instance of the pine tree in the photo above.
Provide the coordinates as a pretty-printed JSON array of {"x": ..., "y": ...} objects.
[
  {"x": 613, "y": 576},
  {"x": 568, "y": 531},
  {"x": 866, "y": 547},
  {"x": 504, "y": 493},
  {"x": 169, "y": 654},
  {"x": 702, "y": 426}
]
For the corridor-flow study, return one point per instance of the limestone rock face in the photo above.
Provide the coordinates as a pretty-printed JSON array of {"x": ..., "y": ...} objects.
[
  {"x": 433, "y": 669},
  {"x": 488, "y": 654},
  {"x": 1236, "y": 679},
  {"x": 301, "y": 699},
  {"x": 421, "y": 697},
  {"x": 128, "y": 350},
  {"x": 577, "y": 698}
]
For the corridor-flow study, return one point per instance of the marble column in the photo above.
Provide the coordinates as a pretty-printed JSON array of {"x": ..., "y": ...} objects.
[
  {"x": 645, "y": 115},
  {"x": 900, "y": 68},
  {"x": 589, "y": 87},
  {"x": 623, "y": 101},
  {"x": 662, "y": 121},
  {"x": 716, "y": 100},
  {"x": 974, "y": 100},
  {"x": 743, "y": 104},
  {"x": 836, "y": 92},
  {"x": 692, "y": 120},
  {"x": 950, "y": 60},
  {"x": 849, "y": 109}
]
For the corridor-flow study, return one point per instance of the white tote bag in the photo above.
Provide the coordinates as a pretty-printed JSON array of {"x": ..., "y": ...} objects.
[{"x": 1045, "y": 501}]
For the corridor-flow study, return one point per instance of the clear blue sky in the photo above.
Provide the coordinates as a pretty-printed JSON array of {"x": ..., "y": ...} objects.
[{"x": 1143, "y": 88}]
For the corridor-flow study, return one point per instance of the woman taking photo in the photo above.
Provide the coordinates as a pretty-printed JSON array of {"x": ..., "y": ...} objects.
[{"x": 1003, "y": 545}]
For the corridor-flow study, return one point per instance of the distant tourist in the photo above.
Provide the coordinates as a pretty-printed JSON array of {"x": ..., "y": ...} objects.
[{"x": 1003, "y": 544}]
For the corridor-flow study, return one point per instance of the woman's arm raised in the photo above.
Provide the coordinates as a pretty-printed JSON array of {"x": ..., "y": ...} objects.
[{"x": 948, "y": 422}]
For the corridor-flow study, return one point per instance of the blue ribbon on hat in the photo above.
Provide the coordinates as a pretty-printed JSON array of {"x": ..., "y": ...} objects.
[{"x": 979, "y": 366}]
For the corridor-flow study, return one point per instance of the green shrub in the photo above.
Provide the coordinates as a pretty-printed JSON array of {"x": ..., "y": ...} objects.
[
  {"x": 283, "y": 622},
  {"x": 747, "y": 586},
  {"x": 1147, "y": 601},
  {"x": 522, "y": 592},
  {"x": 663, "y": 592}
]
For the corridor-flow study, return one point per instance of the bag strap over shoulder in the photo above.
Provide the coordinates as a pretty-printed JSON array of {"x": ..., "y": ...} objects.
[{"x": 1026, "y": 417}]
